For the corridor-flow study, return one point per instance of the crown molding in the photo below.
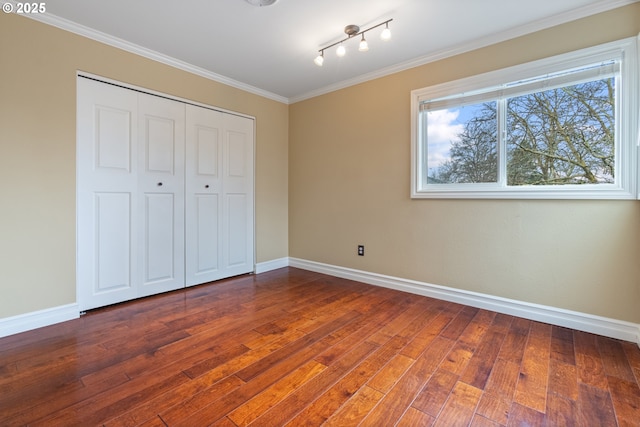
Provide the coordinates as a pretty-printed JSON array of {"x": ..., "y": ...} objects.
[{"x": 122, "y": 44}]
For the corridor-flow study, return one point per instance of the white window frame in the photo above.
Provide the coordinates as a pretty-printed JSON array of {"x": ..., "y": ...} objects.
[{"x": 626, "y": 131}]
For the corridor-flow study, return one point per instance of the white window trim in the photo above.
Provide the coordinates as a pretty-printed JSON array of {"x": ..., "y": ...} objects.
[{"x": 627, "y": 128}]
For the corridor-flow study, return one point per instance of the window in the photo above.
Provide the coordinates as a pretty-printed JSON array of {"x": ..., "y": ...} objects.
[{"x": 563, "y": 127}]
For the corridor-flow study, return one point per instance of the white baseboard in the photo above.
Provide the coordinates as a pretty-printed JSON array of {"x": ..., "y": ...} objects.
[
  {"x": 38, "y": 319},
  {"x": 612, "y": 328},
  {"x": 263, "y": 267}
]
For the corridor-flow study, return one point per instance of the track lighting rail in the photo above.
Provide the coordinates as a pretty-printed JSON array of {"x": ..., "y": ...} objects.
[{"x": 354, "y": 31}]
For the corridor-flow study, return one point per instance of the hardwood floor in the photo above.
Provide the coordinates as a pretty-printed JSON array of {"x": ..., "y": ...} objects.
[{"x": 296, "y": 348}]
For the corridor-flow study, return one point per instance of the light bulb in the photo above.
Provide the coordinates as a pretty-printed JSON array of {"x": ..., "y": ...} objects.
[
  {"x": 319, "y": 60},
  {"x": 340, "y": 51},
  {"x": 364, "y": 46},
  {"x": 386, "y": 34}
]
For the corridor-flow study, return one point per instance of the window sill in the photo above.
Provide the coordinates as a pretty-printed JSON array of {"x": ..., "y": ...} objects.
[{"x": 526, "y": 193}]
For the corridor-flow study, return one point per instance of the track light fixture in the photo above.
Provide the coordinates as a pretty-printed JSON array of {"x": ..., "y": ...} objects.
[
  {"x": 364, "y": 46},
  {"x": 386, "y": 33},
  {"x": 319, "y": 59},
  {"x": 352, "y": 31}
]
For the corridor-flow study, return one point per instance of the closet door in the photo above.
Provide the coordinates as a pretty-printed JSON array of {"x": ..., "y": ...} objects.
[
  {"x": 219, "y": 193},
  {"x": 130, "y": 201},
  {"x": 161, "y": 136},
  {"x": 165, "y": 194},
  {"x": 238, "y": 195},
  {"x": 107, "y": 185},
  {"x": 203, "y": 195}
]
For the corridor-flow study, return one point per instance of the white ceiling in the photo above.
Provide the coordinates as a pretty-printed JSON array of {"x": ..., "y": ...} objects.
[{"x": 270, "y": 50}]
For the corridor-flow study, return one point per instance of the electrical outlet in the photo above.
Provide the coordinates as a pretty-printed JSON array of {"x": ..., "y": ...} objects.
[{"x": 361, "y": 250}]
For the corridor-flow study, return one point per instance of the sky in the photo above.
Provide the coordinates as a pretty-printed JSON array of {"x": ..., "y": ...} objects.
[{"x": 443, "y": 127}]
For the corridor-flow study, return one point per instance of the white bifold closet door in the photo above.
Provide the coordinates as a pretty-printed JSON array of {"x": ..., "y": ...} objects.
[
  {"x": 130, "y": 163},
  {"x": 219, "y": 195},
  {"x": 161, "y": 147},
  {"x": 165, "y": 194}
]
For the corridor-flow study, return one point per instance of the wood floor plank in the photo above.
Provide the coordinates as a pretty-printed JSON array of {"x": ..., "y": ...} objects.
[
  {"x": 502, "y": 323},
  {"x": 614, "y": 359},
  {"x": 457, "y": 359},
  {"x": 153, "y": 422},
  {"x": 521, "y": 415},
  {"x": 248, "y": 412},
  {"x": 307, "y": 393},
  {"x": 413, "y": 417},
  {"x": 473, "y": 334},
  {"x": 435, "y": 393},
  {"x": 395, "y": 402},
  {"x": 425, "y": 313},
  {"x": 460, "y": 406},
  {"x": 103, "y": 407},
  {"x": 480, "y": 421},
  {"x": 625, "y": 396},
  {"x": 355, "y": 409},
  {"x": 563, "y": 379},
  {"x": 495, "y": 403},
  {"x": 175, "y": 397},
  {"x": 459, "y": 323},
  {"x": 503, "y": 379},
  {"x": 561, "y": 411},
  {"x": 229, "y": 330},
  {"x": 481, "y": 363},
  {"x": 595, "y": 407},
  {"x": 633, "y": 356},
  {"x": 356, "y": 332},
  {"x": 307, "y": 349},
  {"x": 51, "y": 400},
  {"x": 562, "y": 345},
  {"x": 589, "y": 365},
  {"x": 425, "y": 337},
  {"x": 208, "y": 361},
  {"x": 205, "y": 410},
  {"x": 201, "y": 409},
  {"x": 494, "y": 408},
  {"x": 266, "y": 362},
  {"x": 244, "y": 360},
  {"x": 389, "y": 374},
  {"x": 531, "y": 390},
  {"x": 324, "y": 406},
  {"x": 514, "y": 344},
  {"x": 413, "y": 316},
  {"x": 222, "y": 422}
]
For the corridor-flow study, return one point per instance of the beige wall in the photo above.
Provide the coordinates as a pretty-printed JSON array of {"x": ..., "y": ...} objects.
[
  {"x": 38, "y": 65},
  {"x": 349, "y": 160}
]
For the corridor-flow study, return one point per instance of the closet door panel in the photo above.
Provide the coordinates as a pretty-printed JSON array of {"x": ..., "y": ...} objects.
[
  {"x": 113, "y": 144},
  {"x": 107, "y": 266},
  {"x": 113, "y": 242},
  {"x": 159, "y": 235},
  {"x": 236, "y": 238},
  {"x": 203, "y": 192},
  {"x": 207, "y": 226},
  {"x": 238, "y": 179},
  {"x": 161, "y": 188}
]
